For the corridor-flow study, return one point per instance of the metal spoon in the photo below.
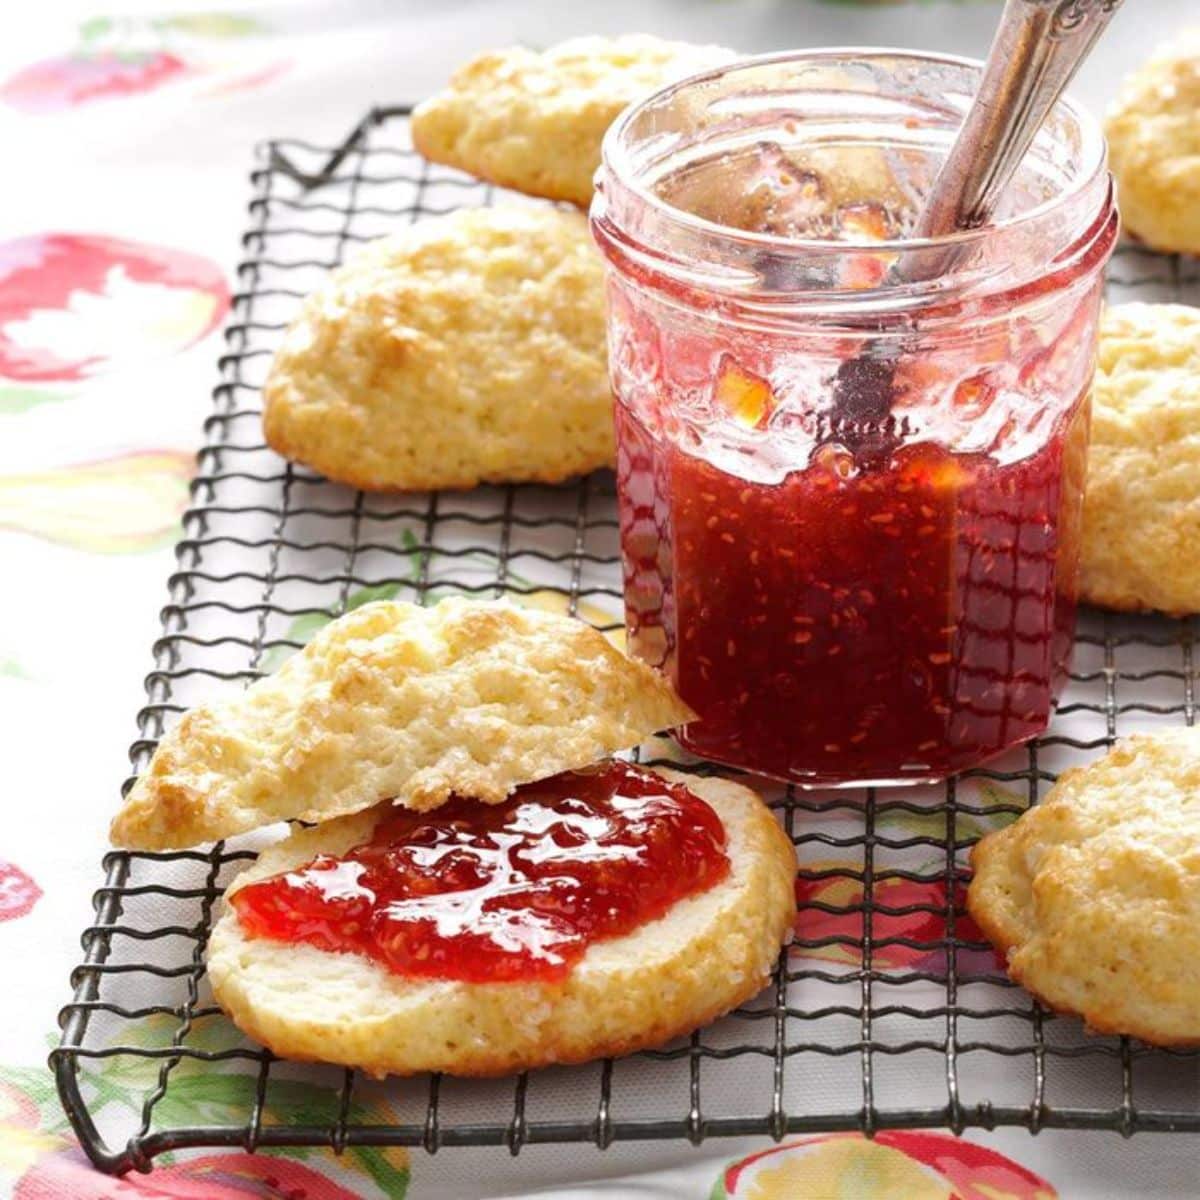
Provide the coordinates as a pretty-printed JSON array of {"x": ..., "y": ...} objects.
[
  {"x": 1034, "y": 55},
  {"x": 1037, "y": 49}
]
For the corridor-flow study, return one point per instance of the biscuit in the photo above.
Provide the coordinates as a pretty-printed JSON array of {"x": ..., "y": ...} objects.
[
  {"x": 709, "y": 953},
  {"x": 533, "y": 121},
  {"x": 1153, "y": 133},
  {"x": 1141, "y": 523},
  {"x": 395, "y": 701},
  {"x": 467, "y": 349},
  {"x": 1094, "y": 895}
]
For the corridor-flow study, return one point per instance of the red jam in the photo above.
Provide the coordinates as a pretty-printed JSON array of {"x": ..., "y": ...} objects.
[
  {"x": 889, "y": 612},
  {"x": 494, "y": 893}
]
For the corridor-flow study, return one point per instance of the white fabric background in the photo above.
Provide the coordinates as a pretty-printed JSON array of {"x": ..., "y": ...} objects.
[{"x": 170, "y": 168}]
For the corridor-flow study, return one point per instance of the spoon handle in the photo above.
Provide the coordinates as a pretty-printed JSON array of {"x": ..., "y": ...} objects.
[{"x": 1036, "y": 52}]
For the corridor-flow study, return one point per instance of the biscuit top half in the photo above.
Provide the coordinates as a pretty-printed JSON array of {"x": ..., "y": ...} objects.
[{"x": 396, "y": 701}]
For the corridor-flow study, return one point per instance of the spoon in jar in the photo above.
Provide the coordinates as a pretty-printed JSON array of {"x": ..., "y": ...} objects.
[{"x": 1037, "y": 49}]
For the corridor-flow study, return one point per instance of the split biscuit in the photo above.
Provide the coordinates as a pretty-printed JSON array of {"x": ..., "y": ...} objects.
[
  {"x": 1094, "y": 894},
  {"x": 397, "y": 702},
  {"x": 1141, "y": 523},
  {"x": 710, "y": 952},
  {"x": 468, "y": 349},
  {"x": 533, "y": 120}
]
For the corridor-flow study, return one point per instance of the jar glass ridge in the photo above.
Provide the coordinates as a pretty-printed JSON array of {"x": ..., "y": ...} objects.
[{"x": 844, "y": 589}]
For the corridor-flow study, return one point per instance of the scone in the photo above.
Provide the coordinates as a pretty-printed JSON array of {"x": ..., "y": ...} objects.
[
  {"x": 1094, "y": 895},
  {"x": 394, "y": 701},
  {"x": 710, "y": 952},
  {"x": 1141, "y": 525},
  {"x": 467, "y": 349},
  {"x": 1153, "y": 133},
  {"x": 534, "y": 120}
]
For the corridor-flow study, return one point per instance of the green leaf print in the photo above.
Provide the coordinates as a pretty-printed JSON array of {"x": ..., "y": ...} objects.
[
  {"x": 992, "y": 794},
  {"x": 214, "y": 25},
  {"x": 95, "y": 27},
  {"x": 931, "y": 822},
  {"x": 307, "y": 624},
  {"x": 16, "y": 400},
  {"x": 35, "y": 1083},
  {"x": 303, "y": 627},
  {"x": 208, "y": 1093}
]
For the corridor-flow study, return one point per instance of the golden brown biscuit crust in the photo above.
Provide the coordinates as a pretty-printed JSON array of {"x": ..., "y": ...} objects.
[
  {"x": 710, "y": 953},
  {"x": 468, "y": 349},
  {"x": 1094, "y": 895},
  {"x": 1154, "y": 147},
  {"x": 397, "y": 701},
  {"x": 1141, "y": 523},
  {"x": 533, "y": 121}
]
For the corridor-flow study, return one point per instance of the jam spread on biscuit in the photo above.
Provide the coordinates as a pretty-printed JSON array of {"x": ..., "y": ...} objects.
[{"x": 513, "y": 891}]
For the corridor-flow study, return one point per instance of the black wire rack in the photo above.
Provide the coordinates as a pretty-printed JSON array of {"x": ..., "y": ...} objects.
[{"x": 886, "y": 995}]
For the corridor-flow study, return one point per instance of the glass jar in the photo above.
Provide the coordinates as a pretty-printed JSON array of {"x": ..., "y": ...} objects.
[{"x": 850, "y": 462}]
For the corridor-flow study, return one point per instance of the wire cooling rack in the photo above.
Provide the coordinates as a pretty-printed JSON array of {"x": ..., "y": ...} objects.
[{"x": 888, "y": 1011}]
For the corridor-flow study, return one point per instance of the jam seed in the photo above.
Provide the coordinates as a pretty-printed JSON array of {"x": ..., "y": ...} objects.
[
  {"x": 940, "y": 659},
  {"x": 802, "y": 639}
]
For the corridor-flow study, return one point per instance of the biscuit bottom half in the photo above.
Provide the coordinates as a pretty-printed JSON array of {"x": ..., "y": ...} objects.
[{"x": 710, "y": 952}]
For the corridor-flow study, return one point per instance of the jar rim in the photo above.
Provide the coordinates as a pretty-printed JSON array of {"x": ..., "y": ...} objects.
[{"x": 620, "y": 174}]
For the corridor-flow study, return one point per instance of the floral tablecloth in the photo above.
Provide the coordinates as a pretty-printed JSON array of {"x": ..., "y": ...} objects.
[{"x": 126, "y": 144}]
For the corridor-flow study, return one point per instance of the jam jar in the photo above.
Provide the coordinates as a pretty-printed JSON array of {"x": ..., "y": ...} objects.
[{"x": 850, "y": 461}]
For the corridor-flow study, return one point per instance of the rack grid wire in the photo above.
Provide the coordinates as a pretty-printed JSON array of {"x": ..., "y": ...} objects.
[{"x": 888, "y": 990}]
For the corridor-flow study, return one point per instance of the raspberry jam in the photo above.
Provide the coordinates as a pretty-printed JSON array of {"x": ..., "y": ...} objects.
[
  {"x": 513, "y": 891},
  {"x": 871, "y": 622},
  {"x": 850, "y": 466}
]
